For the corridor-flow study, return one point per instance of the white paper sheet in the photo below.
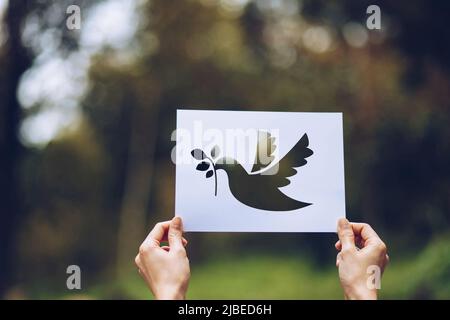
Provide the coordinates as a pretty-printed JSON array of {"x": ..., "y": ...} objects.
[{"x": 319, "y": 182}]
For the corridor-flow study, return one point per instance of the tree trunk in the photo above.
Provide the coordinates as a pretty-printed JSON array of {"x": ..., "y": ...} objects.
[
  {"x": 15, "y": 62},
  {"x": 136, "y": 195}
]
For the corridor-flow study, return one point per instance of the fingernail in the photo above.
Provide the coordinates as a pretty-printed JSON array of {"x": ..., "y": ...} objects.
[
  {"x": 343, "y": 223},
  {"x": 176, "y": 221}
]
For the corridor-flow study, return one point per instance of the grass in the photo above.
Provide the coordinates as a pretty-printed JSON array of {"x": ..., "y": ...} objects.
[{"x": 263, "y": 276}]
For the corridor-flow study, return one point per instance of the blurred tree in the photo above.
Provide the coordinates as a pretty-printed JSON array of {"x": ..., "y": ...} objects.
[
  {"x": 90, "y": 192},
  {"x": 417, "y": 28},
  {"x": 221, "y": 59},
  {"x": 15, "y": 60},
  {"x": 17, "y": 57},
  {"x": 126, "y": 123}
]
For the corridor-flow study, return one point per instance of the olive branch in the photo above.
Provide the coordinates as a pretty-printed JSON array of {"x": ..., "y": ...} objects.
[{"x": 207, "y": 162}]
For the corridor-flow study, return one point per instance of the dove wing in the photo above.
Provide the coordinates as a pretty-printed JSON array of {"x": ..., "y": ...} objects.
[{"x": 295, "y": 158}]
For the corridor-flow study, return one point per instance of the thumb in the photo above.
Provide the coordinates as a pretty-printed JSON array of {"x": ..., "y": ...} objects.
[
  {"x": 345, "y": 234},
  {"x": 175, "y": 234}
]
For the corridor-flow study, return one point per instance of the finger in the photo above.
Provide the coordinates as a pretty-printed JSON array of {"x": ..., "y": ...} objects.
[
  {"x": 338, "y": 245},
  {"x": 137, "y": 261},
  {"x": 366, "y": 232},
  {"x": 345, "y": 234},
  {"x": 359, "y": 241},
  {"x": 164, "y": 239},
  {"x": 157, "y": 234},
  {"x": 175, "y": 234},
  {"x": 338, "y": 259}
]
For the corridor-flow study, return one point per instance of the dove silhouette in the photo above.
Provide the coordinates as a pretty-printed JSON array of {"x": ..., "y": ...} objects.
[{"x": 260, "y": 188}]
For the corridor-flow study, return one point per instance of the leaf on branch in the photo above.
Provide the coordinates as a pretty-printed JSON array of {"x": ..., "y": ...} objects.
[
  {"x": 198, "y": 154},
  {"x": 203, "y": 166},
  {"x": 209, "y": 174}
]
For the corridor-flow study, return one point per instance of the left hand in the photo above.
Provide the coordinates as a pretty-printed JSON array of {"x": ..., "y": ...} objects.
[{"x": 165, "y": 269}]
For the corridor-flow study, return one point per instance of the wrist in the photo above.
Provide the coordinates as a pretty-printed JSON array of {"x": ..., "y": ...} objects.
[
  {"x": 361, "y": 293},
  {"x": 170, "y": 294}
]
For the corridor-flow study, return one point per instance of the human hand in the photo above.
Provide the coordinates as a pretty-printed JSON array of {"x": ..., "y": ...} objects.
[
  {"x": 360, "y": 249},
  {"x": 165, "y": 269}
]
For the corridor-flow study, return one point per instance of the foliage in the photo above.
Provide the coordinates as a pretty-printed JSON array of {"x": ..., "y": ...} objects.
[{"x": 91, "y": 194}]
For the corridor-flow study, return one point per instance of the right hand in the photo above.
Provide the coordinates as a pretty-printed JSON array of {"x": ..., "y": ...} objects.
[{"x": 353, "y": 262}]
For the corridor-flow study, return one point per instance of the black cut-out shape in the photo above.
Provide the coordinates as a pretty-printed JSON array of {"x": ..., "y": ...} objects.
[
  {"x": 260, "y": 188},
  {"x": 203, "y": 166},
  {"x": 198, "y": 154}
]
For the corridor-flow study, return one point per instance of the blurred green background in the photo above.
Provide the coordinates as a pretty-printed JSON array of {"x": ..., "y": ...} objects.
[{"x": 86, "y": 117}]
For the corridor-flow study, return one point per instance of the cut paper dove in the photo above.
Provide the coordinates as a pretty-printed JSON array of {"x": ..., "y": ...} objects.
[
  {"x": 265, "y": 178},
  {"x": 259, "y": 171}
]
